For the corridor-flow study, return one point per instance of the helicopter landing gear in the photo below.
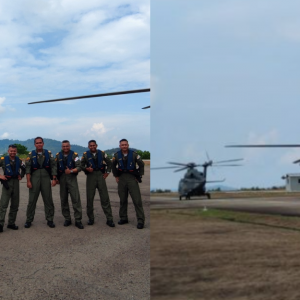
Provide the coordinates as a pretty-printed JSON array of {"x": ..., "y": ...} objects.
[
  {"x": 179, "y": 197},
  {"x": 208, "y": 195},
  {"x": 188, "y": 197}
]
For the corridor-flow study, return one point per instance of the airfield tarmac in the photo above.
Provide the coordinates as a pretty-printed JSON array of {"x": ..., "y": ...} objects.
[
  {"x": 281, "y": 203},
  {"x": 67, "y": 263},
  {"x": 238, "y": 247}
]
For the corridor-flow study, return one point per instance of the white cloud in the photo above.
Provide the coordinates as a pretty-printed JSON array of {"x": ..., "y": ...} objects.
[
  {"x": 54, "y": 46},
  {"x": 5, "y": 135},
  {"x": 99, "y": 128},
  {"x": 107, "y": 133}
]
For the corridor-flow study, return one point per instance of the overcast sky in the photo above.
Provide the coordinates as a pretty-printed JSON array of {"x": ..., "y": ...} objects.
[
  {"x": 225, "y": 72},
  {"x": 62, "y": 48}
]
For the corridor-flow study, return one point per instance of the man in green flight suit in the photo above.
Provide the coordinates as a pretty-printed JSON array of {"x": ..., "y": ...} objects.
[
  {"x": 124, "y": 169},
  {"x": 40, "y": 167},
  {"x": 14, "y": 170},
  {"x": 97, "y": 166},
  {"x": 68, "y": 167}
]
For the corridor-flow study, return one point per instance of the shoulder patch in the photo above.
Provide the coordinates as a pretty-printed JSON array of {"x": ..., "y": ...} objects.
[
  {"x": 2, "y": 157},
  {"x": 84, "y": 152},
  {"x": 75, "y": 153},
  {"x": 28, "y": 158},
  {"x": 57, "y": 153}
]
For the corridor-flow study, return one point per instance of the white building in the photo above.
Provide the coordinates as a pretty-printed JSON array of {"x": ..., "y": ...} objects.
[{"x": 292, "y": 182}]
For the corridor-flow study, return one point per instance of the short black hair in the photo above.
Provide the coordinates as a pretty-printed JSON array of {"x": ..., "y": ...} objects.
[
  {"x": 92, "y": 141},
  {"x": 65, "y": 141},
  {"x": 12, "y": 146},
  {"x": 123, "y": 140},
  {"x": 38, "y": 137}
]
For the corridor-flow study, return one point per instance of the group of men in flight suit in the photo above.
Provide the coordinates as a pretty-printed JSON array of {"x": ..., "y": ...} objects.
[{"x": 43, "y": 170}]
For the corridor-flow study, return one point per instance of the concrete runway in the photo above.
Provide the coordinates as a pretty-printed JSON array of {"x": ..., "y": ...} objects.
[{"x": 286, "y": 206}]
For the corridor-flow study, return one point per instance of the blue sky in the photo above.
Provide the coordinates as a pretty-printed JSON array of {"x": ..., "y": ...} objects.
[
  {"x": 225, "y": 72},
  {"x": 62, "y": 48}
]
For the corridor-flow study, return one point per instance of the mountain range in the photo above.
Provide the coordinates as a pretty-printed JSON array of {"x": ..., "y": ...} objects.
[{"x": 53, "y": 145}]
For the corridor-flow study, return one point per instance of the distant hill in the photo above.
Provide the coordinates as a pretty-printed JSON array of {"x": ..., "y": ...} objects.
[{"x": 53, "y": 145}]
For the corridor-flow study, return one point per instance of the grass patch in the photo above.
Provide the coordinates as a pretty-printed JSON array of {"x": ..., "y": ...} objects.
[{"x": 274, "y": 221}]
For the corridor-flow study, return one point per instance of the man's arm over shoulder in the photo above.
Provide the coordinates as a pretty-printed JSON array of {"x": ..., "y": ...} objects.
[
  {"x": 107, "y": 161},
  {"x": 28, "y": 163},
  {"x": 83, "y": 162},
  {"x": 53, "y": 164},
  {"x": 114, "y": 163},
  {"x": 77, "y": 161}
]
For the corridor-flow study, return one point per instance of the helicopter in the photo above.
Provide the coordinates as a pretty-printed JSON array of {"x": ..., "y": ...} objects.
[
  {"x": 97, "y": 95},
  {"x": 194, "y": 181}
]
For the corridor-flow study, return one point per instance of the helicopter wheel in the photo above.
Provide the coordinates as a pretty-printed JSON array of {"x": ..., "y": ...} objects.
[{"x": 208, "y": 195}]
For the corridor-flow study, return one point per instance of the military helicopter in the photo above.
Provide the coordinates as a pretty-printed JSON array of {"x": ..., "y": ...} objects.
[
  {"x": 97, "y": 95},
  {"x": 193, "y": 183}
]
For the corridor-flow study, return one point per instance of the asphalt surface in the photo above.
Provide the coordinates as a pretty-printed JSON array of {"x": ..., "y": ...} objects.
[
  {"x": 286, "y": 206},
  {"x": 66, "y": 263}
]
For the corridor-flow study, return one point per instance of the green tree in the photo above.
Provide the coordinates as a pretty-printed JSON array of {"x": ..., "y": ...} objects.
[
  {"x": 21, "y": 149},
  {"x": 143, "y": 154},
  {"x": 146, "y": 155}
]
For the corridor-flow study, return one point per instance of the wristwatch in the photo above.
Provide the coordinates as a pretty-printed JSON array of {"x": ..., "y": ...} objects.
[{"x": 71, "y": 171}]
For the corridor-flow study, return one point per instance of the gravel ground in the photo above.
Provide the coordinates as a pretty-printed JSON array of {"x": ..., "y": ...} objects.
[
  {"x": 246, "y": 257},
  {"x": 97, "y": 262}
]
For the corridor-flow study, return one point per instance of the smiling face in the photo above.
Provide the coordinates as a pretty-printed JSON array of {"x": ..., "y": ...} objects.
[
  {"x": 66, "y": 147},
  {"x": 124, "y": 146},
  {"x": 39, "y": 144},
  {"x": 12, "y": 152},
  {"x": 93, "y": 147}
]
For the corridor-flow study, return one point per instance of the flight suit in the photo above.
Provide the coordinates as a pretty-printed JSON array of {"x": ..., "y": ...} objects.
[
  {"x": 128, "y": 184},
  {"x": 41, "y": 183},
  {"x": 13, "y": 194},
  {"x": 68, "y": 184},
  {"x": 95, "y": 180}
]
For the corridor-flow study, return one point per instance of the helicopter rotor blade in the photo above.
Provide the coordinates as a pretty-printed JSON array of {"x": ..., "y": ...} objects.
[
  {"x": 181, "y": 169},
  {"x": 229, "y": 160},
  {"x": 146, "y": 107},
  {"x": 265, "y": 146},
  {"x": 95, "y": 95},
  {"x": 213, "y": 181},
  {"x": 163, "y": 168},
  {"x": 178, "y": 164},
  {"x": 296, "y": 161},
  {"x": 233, "y": 165}
]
